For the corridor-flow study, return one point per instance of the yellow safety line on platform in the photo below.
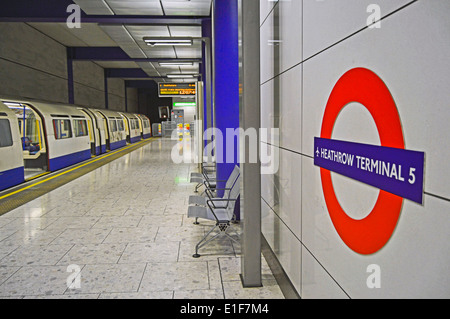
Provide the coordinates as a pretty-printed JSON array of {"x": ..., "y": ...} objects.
[
  {"x": 37, "y": 176},
  {"x": 73, "y": 169}
]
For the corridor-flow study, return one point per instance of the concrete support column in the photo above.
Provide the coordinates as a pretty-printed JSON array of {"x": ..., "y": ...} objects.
[
  {"x": 250, "y": 119},
  {"x": 226, "y": 83}
]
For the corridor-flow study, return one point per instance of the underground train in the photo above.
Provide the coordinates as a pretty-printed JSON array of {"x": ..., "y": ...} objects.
[{"x": 38, "y": 137}]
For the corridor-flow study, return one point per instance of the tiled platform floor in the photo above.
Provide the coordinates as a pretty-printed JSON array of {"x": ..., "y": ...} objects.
[{"x": 123, "y": 229}]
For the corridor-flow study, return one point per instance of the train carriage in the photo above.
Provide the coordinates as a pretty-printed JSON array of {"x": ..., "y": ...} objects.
[
  {"x": 115, "y": 129},
  {"x": 132, "y": 129},
  {"x": 68, "y": 134},
  {"x": 146, "y": 131}
]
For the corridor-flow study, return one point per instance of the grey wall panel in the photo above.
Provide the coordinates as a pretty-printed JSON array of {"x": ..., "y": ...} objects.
[
  {"x": 25, "y": 45},
  {"x": 88, "y": 96},
  {"x": 133, "y": 100},
  {"x": 116, "y": 87},
  {"x": 116, "y": 103},
  {"x": 22, "y": 81},
  {"x": 32, "y": 64},
  {"x": 89, "y": 74}
]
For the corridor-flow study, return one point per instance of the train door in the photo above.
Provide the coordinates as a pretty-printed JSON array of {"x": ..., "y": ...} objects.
[
  {"x": 33, "y": 138},
  {"x": 93, "y": 132},
  {"x": 114, "y": 135},
  {"x": 121, "y": 128},
  {"x": 127, "y": 128},
  {"x": 11, "y": 161},
  {"x": 141, "y": 127},
  {"x": 106, "y": 130}
]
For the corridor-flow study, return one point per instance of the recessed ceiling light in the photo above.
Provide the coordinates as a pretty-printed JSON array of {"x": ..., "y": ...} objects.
[
  {"x": 180, "y": 76},
  {"x": 176, "y": 63},
  {"x": 157, "y": 41}
]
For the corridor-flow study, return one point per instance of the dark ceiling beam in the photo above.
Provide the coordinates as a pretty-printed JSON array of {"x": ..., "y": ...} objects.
[
  {"x": 126, "y": 73},
  {"x": 140, "y": 84}
]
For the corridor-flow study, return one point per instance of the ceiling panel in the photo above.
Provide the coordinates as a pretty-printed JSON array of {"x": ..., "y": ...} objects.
[
  {"x": 139, "y": 32},
  {"x": 148, "y": 68},
  {"x": 95, "y": 7},
  {"x": 159, "y": 52},
  {"x": 194, "y": 51},
  {"x": 185, "y": 31},
  {"x": 124, "y": 39},
  {"x": 90, "y": 34},
  {"x": 135, "y": 7},
  {"x": 190, "y": 69},
  {"x": 183, "y": 7}
]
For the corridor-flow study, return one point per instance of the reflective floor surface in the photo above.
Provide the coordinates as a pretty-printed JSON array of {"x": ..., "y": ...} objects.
[{"x": 120, "y": 231}]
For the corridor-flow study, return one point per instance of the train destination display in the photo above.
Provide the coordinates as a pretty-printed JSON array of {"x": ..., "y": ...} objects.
[{"x": 176, "y": 89}]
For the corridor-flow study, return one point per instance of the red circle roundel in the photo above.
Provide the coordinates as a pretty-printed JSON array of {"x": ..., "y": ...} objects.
[{"x": 370, "y": 234}]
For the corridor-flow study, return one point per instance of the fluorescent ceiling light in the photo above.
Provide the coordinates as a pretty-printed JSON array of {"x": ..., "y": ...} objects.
[
  {"x": 180, "y": 76},
  {"x": 176, "y": 63},
  {"x": 167, "y": 41}
]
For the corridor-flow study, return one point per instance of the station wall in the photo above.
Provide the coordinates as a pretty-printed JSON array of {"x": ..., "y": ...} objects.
[
  {"x": 31, "y": 64},
  {"x": 34, "y": 65},
  {"x": 306, "y": 46}
]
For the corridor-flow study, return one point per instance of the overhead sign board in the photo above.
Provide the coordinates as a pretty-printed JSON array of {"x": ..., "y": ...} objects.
[{"x": 176, "y": 89}]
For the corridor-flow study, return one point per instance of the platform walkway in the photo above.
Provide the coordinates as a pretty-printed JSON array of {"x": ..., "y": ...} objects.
[{"x": 123, "y": 229}]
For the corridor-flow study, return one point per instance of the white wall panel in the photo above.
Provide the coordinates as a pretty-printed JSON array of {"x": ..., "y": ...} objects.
[
  {"x": 283, "y": 243},
  {"x": 267, "y": 110},
  {"x": 265, "y": 7},
  {"x": 267, "y": 56},
  {"x": 283, "y": 190},
  {"x": 288, "y": 14},
  {"x": 327, "y": 22},
  {"x": 281, "y": 39},
  {"x": 281, "y": 108},
  {"x": 316, "y": 282}
]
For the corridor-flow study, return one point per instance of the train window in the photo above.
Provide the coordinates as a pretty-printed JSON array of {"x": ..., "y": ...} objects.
[
  {"x": 120, "y": 125},
  {"x": 113, "y": 125},
  {"x": 62, "y": 129},
  {"x": 5, "y": 133},
  {"x": 80, "y": 128}
]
